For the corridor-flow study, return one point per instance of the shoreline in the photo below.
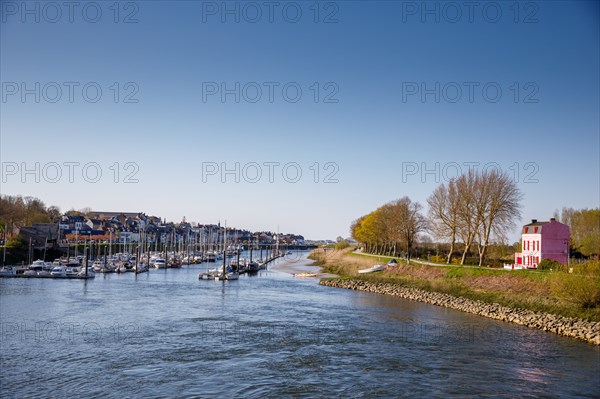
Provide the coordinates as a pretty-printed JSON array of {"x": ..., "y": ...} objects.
[
  {"x": 301, "y": 265},
  {"x": 567, "y": 326}
]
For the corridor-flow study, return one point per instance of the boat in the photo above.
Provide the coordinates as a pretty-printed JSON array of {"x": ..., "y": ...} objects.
[
  {"x": 73, "y": 262},
  {"x": 141, "y": 268},
  {"x": 160, "y": 264},
  {"x": 38, "y": 264},
  {"x": 7, "y": 271},
  {"x": 72, "y": 271},
  {"x": 232, "y": 276},
  {"x": 36, "y": 269},
  {"x": 252, "y": 267},
  {"x": 109, "y": 268},
  {"x": 197, "y": 259},
  {"x": 59, "y": 271},
  {"x": 121, "y": 268},
  {"x": 97, "y": 266},
  {"x": 206, "y": 275},
  {"x": 262, "y": 264},
  {"x": 376, "y": 268},
  {"x": 240, "y": 266},
  {"x": 229, "y": 275},
  {"x": 392, "y": 262},
  {"x": 305, "y": 274},
  {"x": 90, "y": 273}
]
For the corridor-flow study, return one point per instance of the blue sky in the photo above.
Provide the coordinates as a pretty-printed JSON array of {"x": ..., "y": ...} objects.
[{"x": 545, "y": 124}]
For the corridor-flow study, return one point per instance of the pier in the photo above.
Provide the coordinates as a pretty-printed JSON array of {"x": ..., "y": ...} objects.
[{"x": 21, "y": 275}]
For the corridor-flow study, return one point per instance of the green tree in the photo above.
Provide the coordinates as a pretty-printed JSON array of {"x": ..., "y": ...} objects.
[{"x": 585, "y": 229}]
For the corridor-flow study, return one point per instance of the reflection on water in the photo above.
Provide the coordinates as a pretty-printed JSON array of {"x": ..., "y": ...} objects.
[
  {"x": 167, "y": 334},
  {"x": 532, "y": 375}
]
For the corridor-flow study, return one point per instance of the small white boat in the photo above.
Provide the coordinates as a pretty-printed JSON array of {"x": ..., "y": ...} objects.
[
  {"x": 376, "y": 268},
  {"x": 305, "y": 274},
  {"x": 90, "y": 273},
  {"x": 160, "y": 264},
  {"x": 141, "y": 268},
  {"x": 232, "y": 276},
  {"x": 205, "y": 276},
  {"x": 38, "y": 264},
  {"x": 7, "y": 271},
  {"x": 211, "y": 256},
  {"x": 97, "y": 266},
  {"x": 59, "y": 271}
]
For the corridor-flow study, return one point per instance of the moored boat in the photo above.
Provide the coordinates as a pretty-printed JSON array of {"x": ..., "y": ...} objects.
[
  {"x": 59, "y": 271},
  {"x": 305, "y": 274},
  {"x": 7, "y": 271},
  {"x": 376, "y": 268}
]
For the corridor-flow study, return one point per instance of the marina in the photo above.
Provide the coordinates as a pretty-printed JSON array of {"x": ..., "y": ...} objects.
[
  {"x": 179, "y": 249},
  {"x": 59, "y": 270}
]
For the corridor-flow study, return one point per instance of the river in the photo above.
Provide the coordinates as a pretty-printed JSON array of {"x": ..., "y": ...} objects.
[{"x": 167, "y": 334}]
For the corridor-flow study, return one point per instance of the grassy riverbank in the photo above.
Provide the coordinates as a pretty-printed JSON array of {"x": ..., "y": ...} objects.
[{"x": 560, "y": 293}]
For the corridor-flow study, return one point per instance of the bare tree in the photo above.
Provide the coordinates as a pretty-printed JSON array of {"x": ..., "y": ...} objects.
[
  {"x": 498, "y": 206},
  {"x": 468, "y": 223},
  {"x": 443, "y": 214}
]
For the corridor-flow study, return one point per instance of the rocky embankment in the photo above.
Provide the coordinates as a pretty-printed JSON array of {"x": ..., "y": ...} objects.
[{"x": 568, "y": 326}]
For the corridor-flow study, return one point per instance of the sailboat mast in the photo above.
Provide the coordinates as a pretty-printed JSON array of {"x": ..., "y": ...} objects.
[{"x": 224, "y": 250}]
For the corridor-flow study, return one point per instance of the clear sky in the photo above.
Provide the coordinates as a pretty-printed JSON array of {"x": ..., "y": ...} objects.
[{"x": 388, "y": 89}]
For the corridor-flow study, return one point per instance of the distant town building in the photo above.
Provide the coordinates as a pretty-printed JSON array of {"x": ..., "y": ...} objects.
[
  {"x": 120, "y": 216},
  {"x": 40, "y": 234},
  {"x": 543, "y": 240}
]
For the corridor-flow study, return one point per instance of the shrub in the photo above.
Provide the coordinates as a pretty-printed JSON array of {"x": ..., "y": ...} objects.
[
  {"x": 584, "y": 291},
  {"x": 438, "y": 259},
  {"x": 591, "y": 268},
  {"x": 342, "y": 245},
  {"x": 549, "y": 264}
]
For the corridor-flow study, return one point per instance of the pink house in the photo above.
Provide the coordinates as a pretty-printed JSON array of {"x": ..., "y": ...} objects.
[{"x": 543, "y": 240}]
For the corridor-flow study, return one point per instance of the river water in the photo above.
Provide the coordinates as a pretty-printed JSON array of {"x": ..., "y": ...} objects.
[{"x": 167, "y": 334}]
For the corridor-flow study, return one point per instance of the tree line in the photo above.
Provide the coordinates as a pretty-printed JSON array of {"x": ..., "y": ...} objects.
[
  {"x": 25, "y": 211},
  {"x": 468, "y": 213},
  {"x": 585, "y": 230},
  {"x": 472, "y": 210}
]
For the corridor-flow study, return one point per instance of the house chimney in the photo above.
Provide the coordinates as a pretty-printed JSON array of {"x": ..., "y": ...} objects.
[
  {"x": 533, "y": 220},
  {"x": 553, "y": 219}
]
